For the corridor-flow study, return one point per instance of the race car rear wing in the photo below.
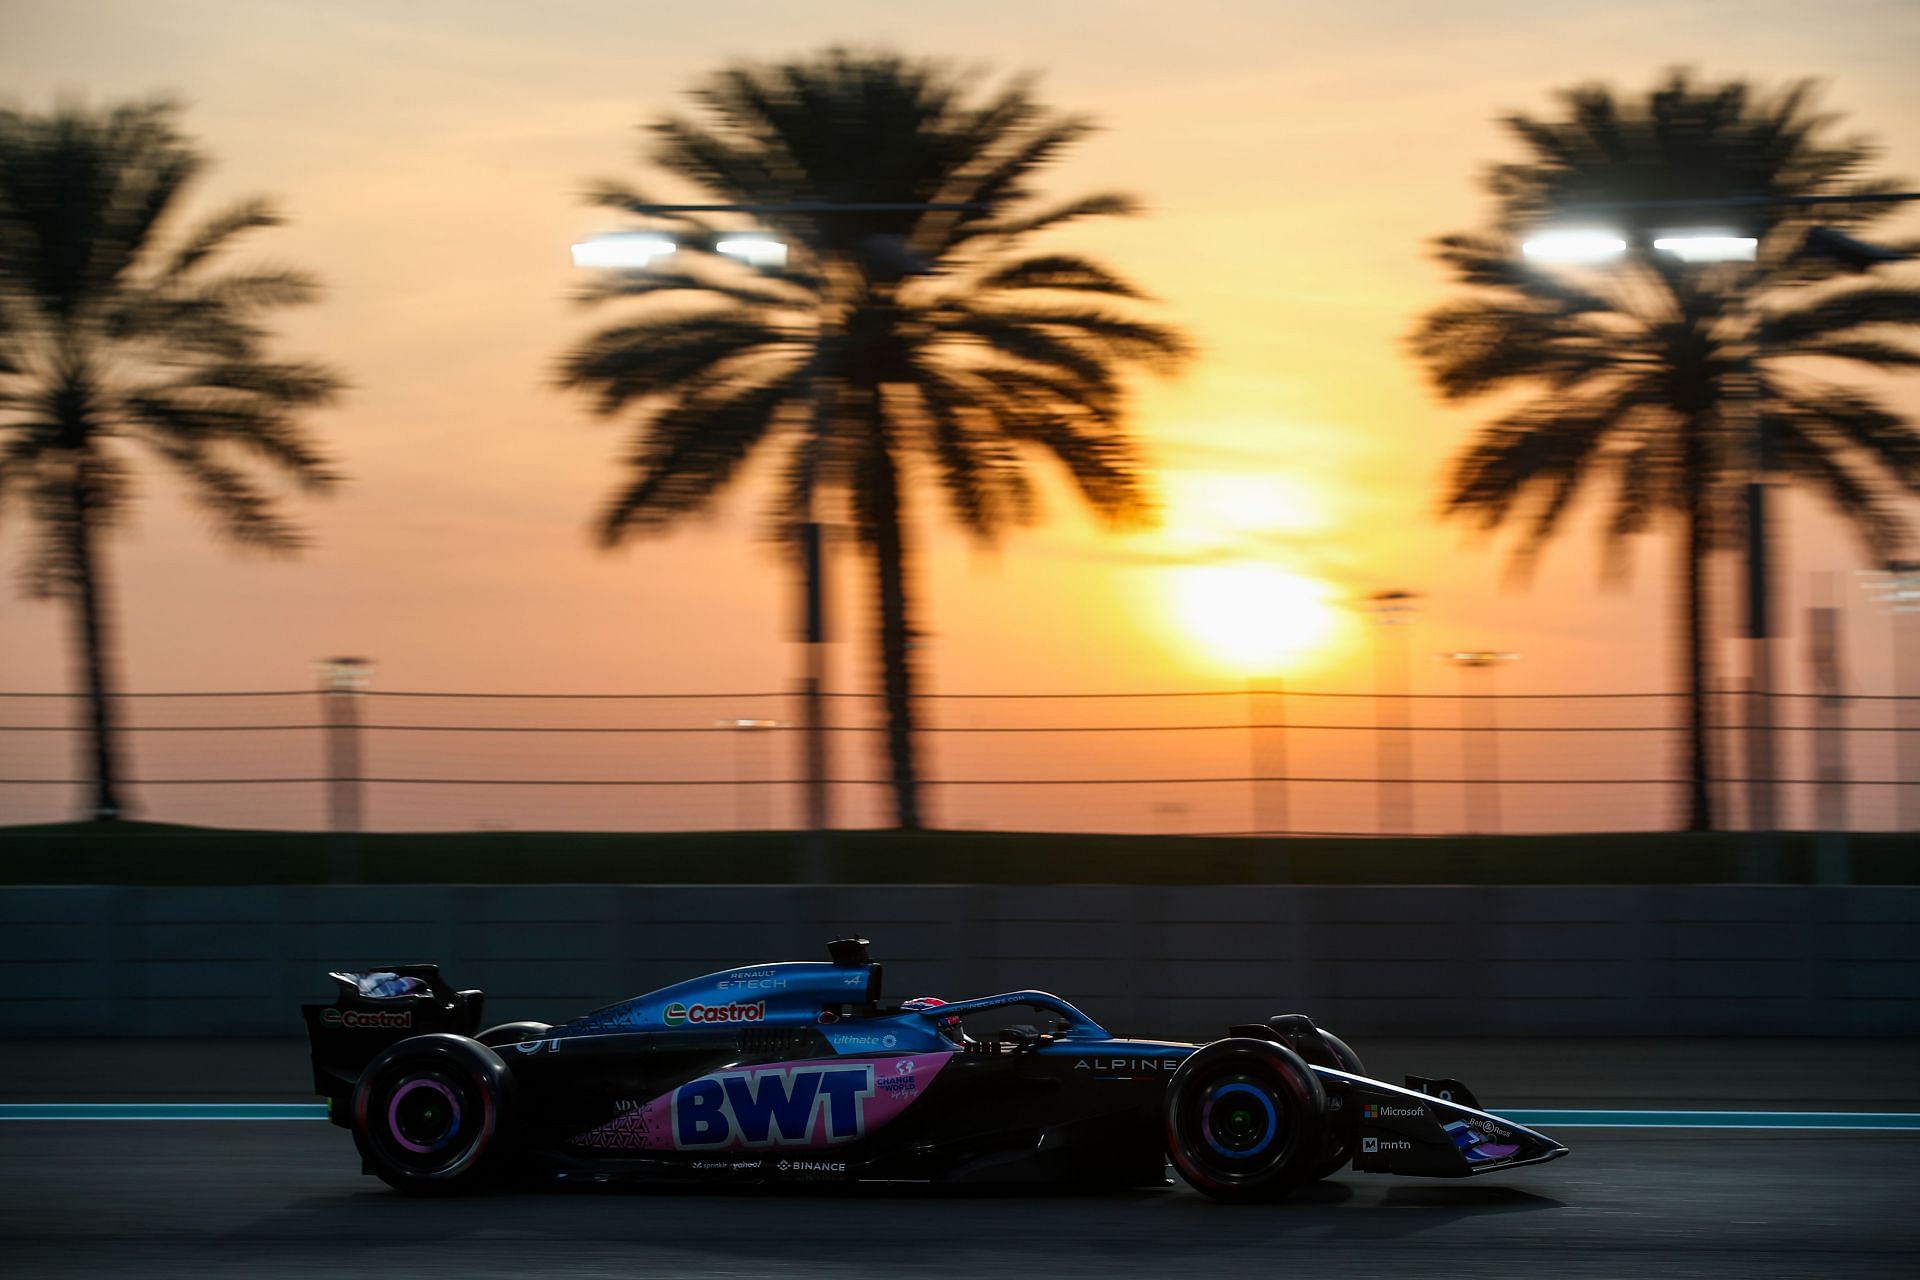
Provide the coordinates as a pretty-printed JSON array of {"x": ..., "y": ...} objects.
[{"x": 346, "y": 1034}]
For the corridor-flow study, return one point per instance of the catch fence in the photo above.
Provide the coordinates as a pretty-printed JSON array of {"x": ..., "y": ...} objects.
[{"x": 1205, "y": 762}]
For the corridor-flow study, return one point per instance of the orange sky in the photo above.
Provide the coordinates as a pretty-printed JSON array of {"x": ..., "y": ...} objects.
[{"x": 1295, "y": 158}]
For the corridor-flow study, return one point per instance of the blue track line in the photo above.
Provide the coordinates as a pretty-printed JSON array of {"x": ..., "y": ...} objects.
[
  {"x": 1815, "y": 1120},
  {"x": 1828, "y": 1121},
  {"x": 163, "y": 1111}
]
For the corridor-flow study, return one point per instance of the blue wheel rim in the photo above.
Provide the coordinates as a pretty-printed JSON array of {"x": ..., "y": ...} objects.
[{"x": 1238, "y": 1088}]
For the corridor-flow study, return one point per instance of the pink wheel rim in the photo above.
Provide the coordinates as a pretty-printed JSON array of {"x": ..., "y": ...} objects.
[{"x": 393, "y": 1115}]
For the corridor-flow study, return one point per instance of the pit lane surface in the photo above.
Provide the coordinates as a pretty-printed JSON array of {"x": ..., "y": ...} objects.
[{"x": 283, "y": 1198}]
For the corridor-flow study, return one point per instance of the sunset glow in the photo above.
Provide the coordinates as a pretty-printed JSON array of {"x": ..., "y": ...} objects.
[
  {"x": 433, "y": 165},
  {"x": 1255, "y": 618}
]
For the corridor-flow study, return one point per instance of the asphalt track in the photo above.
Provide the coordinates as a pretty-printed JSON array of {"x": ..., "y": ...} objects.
[{"x": 285, "y": 1198}]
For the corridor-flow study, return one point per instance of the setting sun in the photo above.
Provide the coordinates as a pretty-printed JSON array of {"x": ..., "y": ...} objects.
[{"x": 1254, "y": 617}]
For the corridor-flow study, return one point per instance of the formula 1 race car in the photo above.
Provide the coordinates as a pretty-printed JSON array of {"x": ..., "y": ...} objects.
[{"x": 798, "y": 1072}]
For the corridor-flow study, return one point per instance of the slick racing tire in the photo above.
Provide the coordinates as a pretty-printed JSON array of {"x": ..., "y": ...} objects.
[
  {"x": 432, "y": 1115},
  {"x": 1342, "y": 1129},
  {"x": 1246, "y": 1120}
]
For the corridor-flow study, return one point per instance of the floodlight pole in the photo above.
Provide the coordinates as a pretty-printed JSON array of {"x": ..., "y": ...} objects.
[
  {"x": 1480, "y": 751},
  {"x": 1762, "y": 817},
  {"x": 342, "y": 681},
  {"x": 1267, "y": 754},
  {"x": 1761, "y": 771},
  {"x": 1896, "y": 584},
  {"x": 1392, "y": 612},
  {"x": 1905, "y": 623},
  {"x": 808, "y": 531}
]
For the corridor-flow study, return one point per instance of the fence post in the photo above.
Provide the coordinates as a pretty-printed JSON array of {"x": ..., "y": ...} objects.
[
  {"x": 341, "y": 682},
  {"x": 1904, "y": 599},
  {"x": 1393, "y": 750},
  {"x": 1267, "y": 754},
  {"x": 1831, "y": 861},
  {"x": 1480, "y": 736}
]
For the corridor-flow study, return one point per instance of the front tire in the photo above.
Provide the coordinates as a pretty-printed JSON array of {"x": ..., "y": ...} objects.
[
  {"x": 1246, "y": 1120},
  {"x": 1343, "y": 1130},
  {"x": 431, "y": 1115}
]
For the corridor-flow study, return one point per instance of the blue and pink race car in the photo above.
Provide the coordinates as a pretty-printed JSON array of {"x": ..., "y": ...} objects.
[{"x": 801, "y": 1072}]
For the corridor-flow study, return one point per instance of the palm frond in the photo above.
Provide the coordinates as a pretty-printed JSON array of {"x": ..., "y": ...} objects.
[
  {"x": 740, "y": 173},
  {"x": 152, "y": 346},
  {"x": 1106, "y": 468},
  {"x": 1109, "y": 205},
  {"x": 650, "y": 357},
  {"x": 1034, "y": 346},
  {"x": 1636, "y": 501},
  {"x": 1061, "y": 271},
  {"x": 1880, "y": 355},
  {"x": 1116, "y": 335},
  {"x": 244, "y": 511},
  {"x": 999, "y": 180},
  {"x": 1541, "y": 452},
  {"x": 762, "y": 289},
  {"x": 972, "y": 462},
  {"x": 1853, "y": 419},
  {"x": 606, "y": 193},
  {"x": 1852, "y": 495},
  {"x": 172, "y": 418},
  {"x": 1840, "y": 314},
  {"x": 956, "y": 360},
  {"x": 215, "y": 234},
  {"x": 688, "y": 453},
  {"x": 1099, "y": 403},
  {"x": 1472, "y": 347}
]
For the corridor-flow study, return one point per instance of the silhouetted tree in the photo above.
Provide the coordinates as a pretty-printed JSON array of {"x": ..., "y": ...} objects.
[
  {"x": 118, "y": 336},
  {"x": 1645, "y": 374},
  {"x": 892, "y": 339}
]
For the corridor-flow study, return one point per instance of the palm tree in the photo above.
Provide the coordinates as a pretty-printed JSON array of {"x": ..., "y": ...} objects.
[
  {"x": 1646, "y": 376},
  {"x": 893, "y": 340},
  {"x": 117, "y": 334}
]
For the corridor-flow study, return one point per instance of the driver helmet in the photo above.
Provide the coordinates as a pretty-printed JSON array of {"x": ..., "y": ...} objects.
[{"x": 949, "y": 1026}]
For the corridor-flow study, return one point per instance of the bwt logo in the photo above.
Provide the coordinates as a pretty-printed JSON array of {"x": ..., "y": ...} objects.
[
  {"x": 677, "y": 1014},
  {"x": 775, "y": 1107}
]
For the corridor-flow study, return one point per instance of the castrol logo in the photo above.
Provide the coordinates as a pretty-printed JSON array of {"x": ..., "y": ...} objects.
[
  {"x": 362, "y": 1019},
  {"x": 677, "y": 1015}
]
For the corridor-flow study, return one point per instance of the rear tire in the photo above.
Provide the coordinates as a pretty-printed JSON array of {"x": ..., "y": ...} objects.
[
  {"x": 1342, "y": 1129},
  {"x": 431, "y": 1115},
  {"x": 1246, "y": 1120}
]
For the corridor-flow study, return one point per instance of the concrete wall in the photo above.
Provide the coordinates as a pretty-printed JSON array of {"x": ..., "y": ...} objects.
[{"x": 1144, "y": 960}]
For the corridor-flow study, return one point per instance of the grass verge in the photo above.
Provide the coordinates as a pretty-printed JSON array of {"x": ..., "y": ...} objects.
[{"x": 161, "y": 854}]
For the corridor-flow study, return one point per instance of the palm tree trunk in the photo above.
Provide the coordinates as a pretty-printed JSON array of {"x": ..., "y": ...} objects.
[
  {"x": 1693, "y": 571},
  {"x": 881, "y": 484},
  {"x": 92, "y": 640}
]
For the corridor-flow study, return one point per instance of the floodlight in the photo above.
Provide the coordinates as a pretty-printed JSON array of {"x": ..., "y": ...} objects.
[
  {"x": 621, "y": 249},
  {"x": 757, "y": 251},
  {"x": 1708, "y": 246},
  {"x": 1575, "y": 246}
]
